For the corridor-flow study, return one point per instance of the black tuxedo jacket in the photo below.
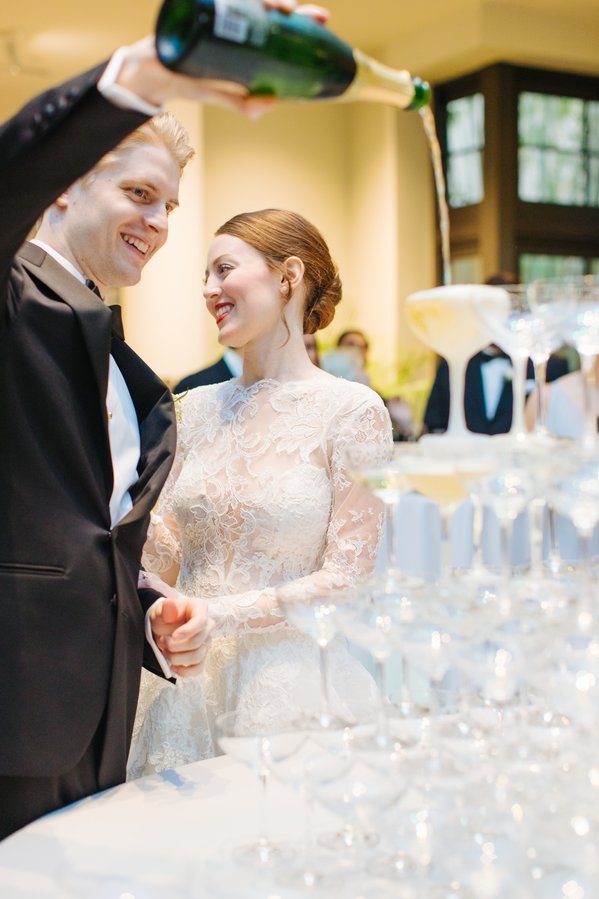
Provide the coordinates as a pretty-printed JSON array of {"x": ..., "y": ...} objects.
[
  {"x": 436, "y": 415},
  {"x": 214, "y": 374},
  {"x": 71, "y": 617}
]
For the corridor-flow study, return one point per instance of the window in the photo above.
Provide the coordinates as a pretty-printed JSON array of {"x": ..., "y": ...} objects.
[
  {"x": 467, "y": 270},
  {"x": 465, "y": 143},
  {"x": 543, "y": 265},
  {"x": 520, "y": 148},
  {"x": 558, "y": 156}
]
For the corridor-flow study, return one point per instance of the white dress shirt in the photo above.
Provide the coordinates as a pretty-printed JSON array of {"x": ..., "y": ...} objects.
[
  {"x": 123, "y": 429},
  {"x": 494, "y": 374}
]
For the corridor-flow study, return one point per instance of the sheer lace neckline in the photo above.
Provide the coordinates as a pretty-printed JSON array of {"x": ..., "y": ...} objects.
[{"x": 238, "y": 384}]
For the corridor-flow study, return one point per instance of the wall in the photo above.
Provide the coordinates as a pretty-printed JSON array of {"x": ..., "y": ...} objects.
[{"x": 359, "y": 172}]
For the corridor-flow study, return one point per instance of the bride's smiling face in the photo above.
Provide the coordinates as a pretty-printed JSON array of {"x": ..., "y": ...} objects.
[{"x": 243, "y": 294}]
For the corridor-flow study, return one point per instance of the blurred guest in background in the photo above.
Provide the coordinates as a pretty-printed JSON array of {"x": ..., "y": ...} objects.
[
  {"x": 345, "y": 363},
  {"x": 312, "y": 349},
  {"x": 402, "y": 420},
  {"x": 348, "y": 359},
  {"x": 355, "y": 340},
  {"x": 230, "y": 365}
]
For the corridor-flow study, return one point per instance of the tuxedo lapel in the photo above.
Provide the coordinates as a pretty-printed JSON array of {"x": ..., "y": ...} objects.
[
  {"x": 151, "y": 397},
  {"x": 94, "y": 317}
]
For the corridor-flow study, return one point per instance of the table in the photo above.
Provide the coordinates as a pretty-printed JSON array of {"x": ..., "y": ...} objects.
[{"x": 159, "y": 837}]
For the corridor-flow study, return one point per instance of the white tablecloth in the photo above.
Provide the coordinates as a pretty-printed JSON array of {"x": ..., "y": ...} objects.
[{"x": 160, "y": 837}]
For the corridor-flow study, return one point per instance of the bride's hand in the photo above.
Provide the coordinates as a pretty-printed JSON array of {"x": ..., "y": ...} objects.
[{"x": 181, "y": 627}]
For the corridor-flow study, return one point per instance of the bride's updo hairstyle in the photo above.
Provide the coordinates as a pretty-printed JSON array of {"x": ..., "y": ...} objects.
[{"x": 278, "y": 234}]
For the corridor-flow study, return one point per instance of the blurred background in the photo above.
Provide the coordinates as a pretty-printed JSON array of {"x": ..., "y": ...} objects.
[{"x": 516, "y": 99}]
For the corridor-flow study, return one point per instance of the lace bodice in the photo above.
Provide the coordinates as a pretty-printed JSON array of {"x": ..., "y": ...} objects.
[
  {"x": 259, "y": 500},
  {"x": 260, "y": 497}
]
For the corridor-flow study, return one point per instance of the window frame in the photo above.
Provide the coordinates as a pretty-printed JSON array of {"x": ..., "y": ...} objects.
[{"x": 502, "y": 227}]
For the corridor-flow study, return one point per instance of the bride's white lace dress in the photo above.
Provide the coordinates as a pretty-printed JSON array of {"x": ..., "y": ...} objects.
[{"x": 259, "y": 497}]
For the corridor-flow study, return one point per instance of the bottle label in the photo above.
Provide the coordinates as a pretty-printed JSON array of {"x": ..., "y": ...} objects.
[{"x": 240, "y": 21}]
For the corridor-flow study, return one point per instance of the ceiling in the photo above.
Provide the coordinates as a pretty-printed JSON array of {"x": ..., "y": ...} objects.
[{"x": 44, "y": 42}]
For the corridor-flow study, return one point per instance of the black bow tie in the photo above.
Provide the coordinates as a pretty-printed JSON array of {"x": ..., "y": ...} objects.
[
  {"x": 117, "y": 322},
  {"x": 91, "y": 285},
  {"x": 488, "y": 357},
  {"x": 117, "y": 319}
]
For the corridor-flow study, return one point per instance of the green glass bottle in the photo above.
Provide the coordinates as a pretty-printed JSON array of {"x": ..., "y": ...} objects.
[{"x": 291, "y": 57}]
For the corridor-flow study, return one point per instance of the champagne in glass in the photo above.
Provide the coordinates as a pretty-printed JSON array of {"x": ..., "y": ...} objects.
[
  {"x": 388, "y": 479},
  {"x": 445, "y": 319}
]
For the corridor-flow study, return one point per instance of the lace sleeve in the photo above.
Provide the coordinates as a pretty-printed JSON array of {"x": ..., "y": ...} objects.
[
  {"x": 354, "y": 530},
  {"x": 162, "y": 550}
]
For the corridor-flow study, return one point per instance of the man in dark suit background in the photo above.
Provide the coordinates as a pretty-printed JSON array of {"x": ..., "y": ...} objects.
[
  {"x": 88, "y": 430},
  {"x": 229, "y": 366},
  {"x": 488, "y": 399}
]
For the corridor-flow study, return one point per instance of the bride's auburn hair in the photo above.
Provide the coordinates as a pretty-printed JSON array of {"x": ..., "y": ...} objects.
[{"x": 278, "y": 234}]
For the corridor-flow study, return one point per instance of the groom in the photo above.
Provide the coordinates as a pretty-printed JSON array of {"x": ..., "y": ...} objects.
[{"x": 88, "y": 431}]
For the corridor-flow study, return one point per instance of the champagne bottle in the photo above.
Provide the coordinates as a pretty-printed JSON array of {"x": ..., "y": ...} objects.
[{"x": 271, "y": 53}]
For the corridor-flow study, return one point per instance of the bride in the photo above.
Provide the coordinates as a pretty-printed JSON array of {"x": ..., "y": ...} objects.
[{"x": 259, "y": 499}]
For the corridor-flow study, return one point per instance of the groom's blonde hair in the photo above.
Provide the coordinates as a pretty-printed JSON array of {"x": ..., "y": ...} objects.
[{"x": 162, "y": 130}]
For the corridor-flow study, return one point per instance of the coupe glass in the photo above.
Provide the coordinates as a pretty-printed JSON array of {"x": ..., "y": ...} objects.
[
  {"x": 446, "y": 320},
  {"x": 373, "y": 620},
  {"x": 446, "y": 474},
  {"x": 519, "y": 328},
  {"x": 555, "y": 306},
  {"x": 316, "y": 617},
  {"x": 245, "y": 741},
  {"x": 507, "y": 492},
  {"x": 582, "y": 331},
  {"x": 388, "y": 480},
  {"x": 576, "y": 495},
  {"x": 308, "y": 754}
]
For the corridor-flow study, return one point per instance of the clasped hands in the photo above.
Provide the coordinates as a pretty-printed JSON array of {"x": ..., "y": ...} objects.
[{"x": 180, "y": 625}]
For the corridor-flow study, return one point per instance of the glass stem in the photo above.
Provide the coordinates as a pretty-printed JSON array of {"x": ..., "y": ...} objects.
[
  {"x": 325, "y": 708},
  {"x": 379, "y": 676},
  {"x": 406, "y": 693},
  {"x": 518, "y": 428},
  {"x": 585, "y": 570},
  {"x": 457, "y": 419},
  {"x": 554, "y": 555},
  {"x": 537, "y": 509},
  {"x": 446, "y": 558},
  {"x": 506, "y": 559},
  {"x": 476, "y": 563},
  {"x": 589, "y": 434},
  {"x": 263, "y": 839},
  {"x": 391, "y": 535},
  {"x": 309, "y": 875},
  {"x": 540, "y": 367}
]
